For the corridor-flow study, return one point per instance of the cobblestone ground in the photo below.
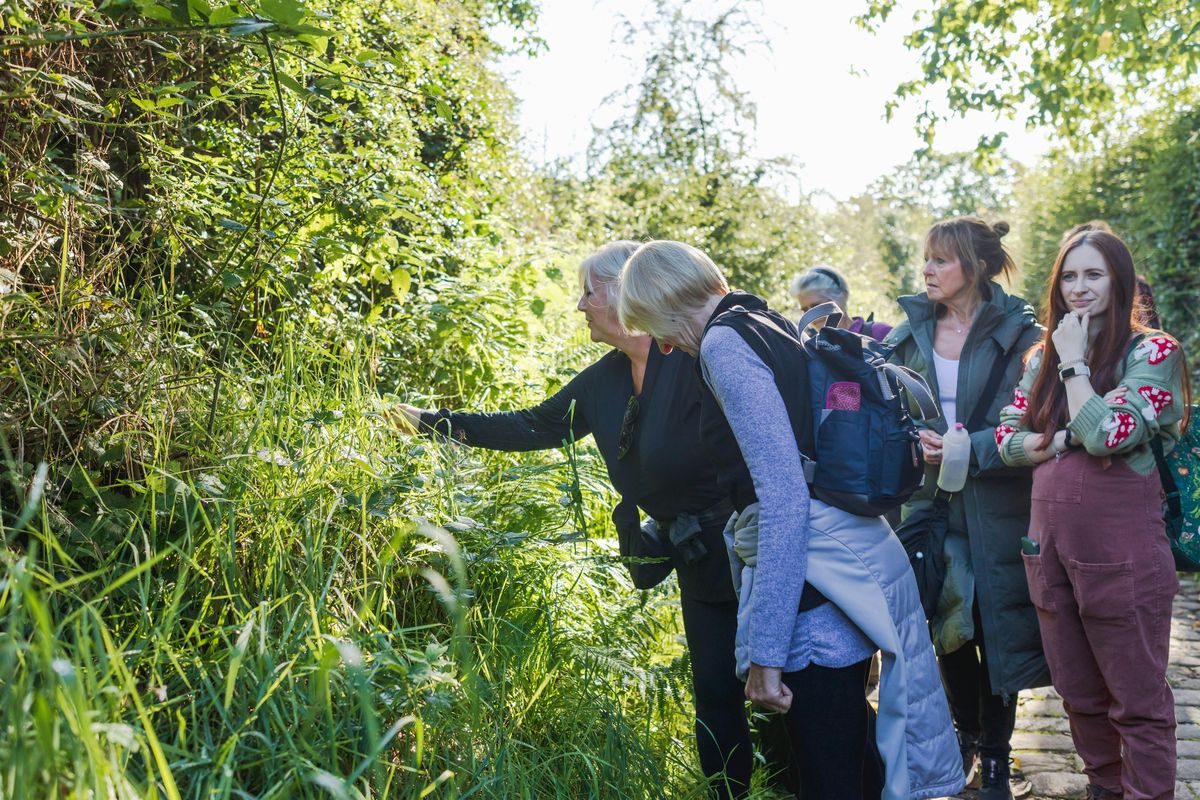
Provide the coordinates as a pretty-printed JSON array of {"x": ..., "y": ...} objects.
[{"x": 1042, "y": 743}]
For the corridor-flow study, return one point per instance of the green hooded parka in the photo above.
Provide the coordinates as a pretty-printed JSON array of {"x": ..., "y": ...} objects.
[{"x": 991, "y": 514}]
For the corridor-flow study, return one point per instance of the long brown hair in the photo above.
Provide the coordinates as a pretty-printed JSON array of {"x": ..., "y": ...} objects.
[{"x": 1048, "y": 410}]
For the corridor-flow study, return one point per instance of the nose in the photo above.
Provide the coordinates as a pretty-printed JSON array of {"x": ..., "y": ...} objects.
[
  {"x": 927, "y": 270},
  {"x": 582, "y": 304}
]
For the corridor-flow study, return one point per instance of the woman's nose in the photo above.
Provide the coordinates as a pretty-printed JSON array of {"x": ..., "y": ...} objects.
[{"x": 582, "y": 304}]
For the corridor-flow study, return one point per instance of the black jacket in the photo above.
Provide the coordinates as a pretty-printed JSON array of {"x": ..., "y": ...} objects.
[{"x": 667, "y": 470}]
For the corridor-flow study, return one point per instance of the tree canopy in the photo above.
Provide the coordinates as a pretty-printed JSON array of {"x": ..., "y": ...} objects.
[{"x": 1070, "y": 65}]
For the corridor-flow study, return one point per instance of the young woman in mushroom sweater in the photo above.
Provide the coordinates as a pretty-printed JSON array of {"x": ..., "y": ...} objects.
[{"x": 1097, "y": 393}]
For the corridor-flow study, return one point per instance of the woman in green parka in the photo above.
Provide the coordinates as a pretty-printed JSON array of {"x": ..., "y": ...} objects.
[{"x": 984, "y": 629}]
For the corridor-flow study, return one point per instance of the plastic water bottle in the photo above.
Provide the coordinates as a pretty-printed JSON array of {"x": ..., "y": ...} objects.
[{"x": 956, "y": 457}]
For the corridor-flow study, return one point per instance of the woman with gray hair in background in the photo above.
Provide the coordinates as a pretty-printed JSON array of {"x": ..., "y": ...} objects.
[
  {"x": 820, "y": 588},
  {"x": 642, "y": 408},
  {"x": 824, "y": 284}
]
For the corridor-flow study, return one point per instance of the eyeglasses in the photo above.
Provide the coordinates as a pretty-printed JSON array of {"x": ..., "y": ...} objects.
[
  {"x": 597, "y": 294},
  {"x": 628, "y": 427}
]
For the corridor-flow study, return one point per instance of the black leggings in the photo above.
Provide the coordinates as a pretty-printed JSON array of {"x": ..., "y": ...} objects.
[
  {"x": 976, "y": 711},
  {"x": 832, "y": 733},
  {"x": 722, "y": 730}
]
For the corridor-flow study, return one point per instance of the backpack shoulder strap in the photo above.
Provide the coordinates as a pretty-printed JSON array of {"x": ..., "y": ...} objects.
[
  {"x": 1170, "y": 489},
  {"x": 831, "y": 310},
  {"x": 917, "y": 387},
  {"x": 1133, "y": 343}
]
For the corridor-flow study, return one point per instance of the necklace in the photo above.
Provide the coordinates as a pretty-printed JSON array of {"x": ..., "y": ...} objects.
[{"x": 958, "y": 327}]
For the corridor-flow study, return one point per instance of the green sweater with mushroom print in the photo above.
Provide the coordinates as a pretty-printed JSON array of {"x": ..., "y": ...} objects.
[{"x": 1153, "y": 406}]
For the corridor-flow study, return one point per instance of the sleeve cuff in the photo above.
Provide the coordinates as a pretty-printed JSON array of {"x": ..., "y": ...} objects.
[
  {"x": 768, "y": 660},
  {"x": 1014, "y": 453},
  {"x": 435, "y": 424}
]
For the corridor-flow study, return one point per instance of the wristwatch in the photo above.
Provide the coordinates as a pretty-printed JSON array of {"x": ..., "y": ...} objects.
[{"x": 1080, "y": 368}]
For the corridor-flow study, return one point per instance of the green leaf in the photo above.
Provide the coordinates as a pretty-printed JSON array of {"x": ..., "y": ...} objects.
[
  {"x": 401, "y": 282},
  {"x": 292, "y": 83},
  {"x": 1131, "y": 20},
  {"x": 230, "y": 224},
  {"x": 289, "y": 12},
  {"x": 307, "y": 30},
  {"x": 153, "y": 10},
  {"x": 223, "y": 15}
]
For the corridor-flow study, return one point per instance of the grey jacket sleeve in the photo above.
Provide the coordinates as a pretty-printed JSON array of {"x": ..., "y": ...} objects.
[{"x": 745, "y": 388}]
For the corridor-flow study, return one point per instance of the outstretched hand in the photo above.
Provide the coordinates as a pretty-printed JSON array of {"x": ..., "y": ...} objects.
[
  {"x": 405, "y": 418},
  {"x": 1070, "y": 337}
]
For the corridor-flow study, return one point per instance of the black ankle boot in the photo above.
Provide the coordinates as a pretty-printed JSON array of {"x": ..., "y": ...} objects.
[
  {"x": 994, "y": 783},
  {"x": 1095, "y": 792}
]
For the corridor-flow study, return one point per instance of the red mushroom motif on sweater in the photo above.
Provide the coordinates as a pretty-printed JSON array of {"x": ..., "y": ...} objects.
[
  {"x": 1002, "y": 433},
  {"x": 1156, "y": 349},
  {"x": 1157, "y": 399},
  {"x": 1119, "y": 426},
  {"x": 1018, "y": 406}
]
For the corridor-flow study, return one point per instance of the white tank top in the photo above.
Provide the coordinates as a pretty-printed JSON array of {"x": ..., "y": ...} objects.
[{"x": 947, "y": 379}]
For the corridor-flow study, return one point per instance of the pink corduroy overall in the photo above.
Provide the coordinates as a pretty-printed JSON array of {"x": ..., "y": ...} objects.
[{"x": 1102, "y": 584}]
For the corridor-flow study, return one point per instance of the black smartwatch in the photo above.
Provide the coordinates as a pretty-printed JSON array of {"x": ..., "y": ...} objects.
[{"x": 1073, "y": 370}]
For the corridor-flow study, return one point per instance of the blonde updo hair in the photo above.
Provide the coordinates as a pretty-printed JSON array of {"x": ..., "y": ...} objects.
[
  {"x": 663, "y": 284},
  {"x": 605, "y": 262}
]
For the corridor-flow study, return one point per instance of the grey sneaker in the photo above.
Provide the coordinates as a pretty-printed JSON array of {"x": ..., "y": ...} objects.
[{"x": 994, "y": 779}]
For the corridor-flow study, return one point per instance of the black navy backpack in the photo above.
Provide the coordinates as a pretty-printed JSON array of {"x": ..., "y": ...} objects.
[{"x": 866, "y": 455}]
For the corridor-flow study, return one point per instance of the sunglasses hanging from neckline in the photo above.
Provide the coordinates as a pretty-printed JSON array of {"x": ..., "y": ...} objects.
[{"x": 628, "y": 427}]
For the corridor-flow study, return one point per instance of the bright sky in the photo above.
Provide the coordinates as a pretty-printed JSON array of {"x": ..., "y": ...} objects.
[{"x": 820, "y": 88}]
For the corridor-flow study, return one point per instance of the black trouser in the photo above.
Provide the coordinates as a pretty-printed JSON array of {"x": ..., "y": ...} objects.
[
  {"x": 976, "y": 711},
  {"x": 832, "y": 733},
  {"x": 722, "y": 730},
  {"x": 775, "y": 743}
]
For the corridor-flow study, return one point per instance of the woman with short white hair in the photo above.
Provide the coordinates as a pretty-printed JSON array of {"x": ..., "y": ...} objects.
[
  {"x": 820, "y": 588},
  {"x": 642, "y": 407}
]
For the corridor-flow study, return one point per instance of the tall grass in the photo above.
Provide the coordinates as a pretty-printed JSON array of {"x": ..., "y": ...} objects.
[{"x": 306, "y": 604}]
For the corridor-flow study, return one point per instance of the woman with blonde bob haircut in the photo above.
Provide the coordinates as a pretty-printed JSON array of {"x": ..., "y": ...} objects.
[{"x": 820, "y": 589}]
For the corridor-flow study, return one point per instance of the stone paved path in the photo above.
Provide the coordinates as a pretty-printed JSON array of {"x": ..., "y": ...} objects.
[{"x": 1042, "y": 743}]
